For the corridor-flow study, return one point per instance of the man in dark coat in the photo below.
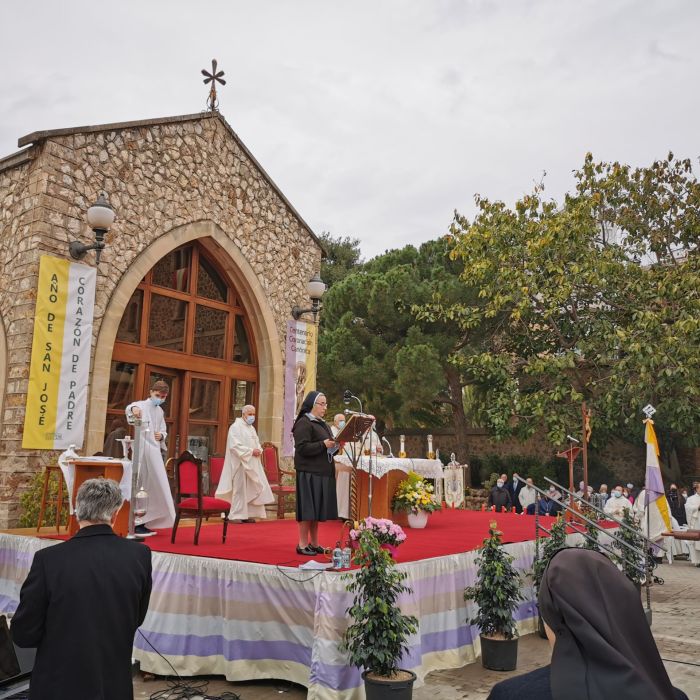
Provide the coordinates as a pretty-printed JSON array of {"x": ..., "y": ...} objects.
[
  {"x": 514, "y": 487},
  {"x": 82, "y": 603},
  {"x": 499, "y": 496}
]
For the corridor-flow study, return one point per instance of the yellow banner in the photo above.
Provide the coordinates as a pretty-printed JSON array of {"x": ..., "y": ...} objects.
[{"x": 60, "y": 361}]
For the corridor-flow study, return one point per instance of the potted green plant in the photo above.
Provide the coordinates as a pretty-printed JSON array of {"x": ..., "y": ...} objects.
[
  {"x": 414, "y": 496},
  {"x": 497, "y": 594},
  {"x": 552, "y": 544},
  {"x": 631, "y": 563},
  {"x": 376, "y": 638}
]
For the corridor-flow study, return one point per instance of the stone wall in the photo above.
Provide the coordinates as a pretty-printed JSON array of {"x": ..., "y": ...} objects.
[
  {"x": 158, "y": 176},
  {"x": 20, "y": 189}
]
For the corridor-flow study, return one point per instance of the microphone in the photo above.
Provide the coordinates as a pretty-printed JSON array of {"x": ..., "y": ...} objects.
[
  {"x": 386, "y": 442},
  {"x": 573, "y": 439},
  {"x": 349, "y": 396}
]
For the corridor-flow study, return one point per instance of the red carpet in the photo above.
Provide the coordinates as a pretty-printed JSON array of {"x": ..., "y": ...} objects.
[{"x": 274, "y": 542}]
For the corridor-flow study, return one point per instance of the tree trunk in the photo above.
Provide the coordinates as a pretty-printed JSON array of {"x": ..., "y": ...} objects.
[{"x": 459, "y": 419}]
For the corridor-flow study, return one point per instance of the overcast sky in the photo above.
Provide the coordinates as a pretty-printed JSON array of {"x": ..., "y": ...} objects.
[{"x": 376, "y": 118}]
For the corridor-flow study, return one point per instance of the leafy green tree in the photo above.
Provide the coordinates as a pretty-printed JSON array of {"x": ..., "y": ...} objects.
[
  {"x": 372, "y": 341},
  {"x": 342, "y": 257},
  {"x": 597, "y": 298}
]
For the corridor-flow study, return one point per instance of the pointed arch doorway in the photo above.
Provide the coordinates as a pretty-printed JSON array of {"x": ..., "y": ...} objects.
[{"x": 185, "y": 324}]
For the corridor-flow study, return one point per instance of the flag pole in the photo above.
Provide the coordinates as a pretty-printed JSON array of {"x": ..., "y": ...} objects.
[
  {"x": 648, "y": 411},
  {"x": 585, "y": 416}
]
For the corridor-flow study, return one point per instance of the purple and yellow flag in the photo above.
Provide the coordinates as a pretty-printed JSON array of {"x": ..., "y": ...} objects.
[{"x": 654, "y": 486}]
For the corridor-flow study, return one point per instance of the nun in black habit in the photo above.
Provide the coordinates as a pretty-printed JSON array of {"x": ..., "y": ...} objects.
[
  {"x": 603, "y": 648},
  {"x": 314, "y": 448}
]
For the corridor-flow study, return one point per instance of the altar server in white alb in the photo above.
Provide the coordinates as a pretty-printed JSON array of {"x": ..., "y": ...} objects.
[
  {"x": 692, "y": 511},
  {"x": 243, "y": 482},
  {"x": 153, "y": 477}
]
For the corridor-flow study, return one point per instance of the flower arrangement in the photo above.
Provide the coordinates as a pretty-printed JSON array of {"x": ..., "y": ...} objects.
[
  {"x": 413, "y": 495},
  {"x": 386, "y": 531}
]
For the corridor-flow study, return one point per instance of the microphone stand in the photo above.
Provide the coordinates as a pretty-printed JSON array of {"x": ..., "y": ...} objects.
[
  {"x": 140, "y": 425},
  {"x": 347, "y": 397}
]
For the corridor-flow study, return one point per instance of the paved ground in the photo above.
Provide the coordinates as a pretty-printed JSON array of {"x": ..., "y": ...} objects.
[{"x": 676, "y": 627}]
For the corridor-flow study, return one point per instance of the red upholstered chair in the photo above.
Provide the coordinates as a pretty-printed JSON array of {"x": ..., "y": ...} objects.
[
  {"x": 270, "y": 460},
  {"x": 216, "y": 466},
  {"x": 190, "y": 499}
]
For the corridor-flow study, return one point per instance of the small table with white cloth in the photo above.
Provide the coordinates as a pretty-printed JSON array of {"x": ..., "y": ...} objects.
[{"x": 387, "y": 473}]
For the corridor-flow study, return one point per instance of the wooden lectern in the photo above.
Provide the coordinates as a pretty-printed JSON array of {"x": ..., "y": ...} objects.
[
  {"x": 94, "y": 469},
  {"x": 383, "y": 490},
  {"x": 357, "y": 425}
]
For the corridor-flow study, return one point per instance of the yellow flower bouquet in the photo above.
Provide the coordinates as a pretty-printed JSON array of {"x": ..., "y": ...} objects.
[{"x": 414, "y": 494}]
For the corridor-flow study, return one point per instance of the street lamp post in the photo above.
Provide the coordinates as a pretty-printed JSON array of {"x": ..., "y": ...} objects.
[
  {"x": 315, "y": 287},
  {"x": 100, "y": 217}
]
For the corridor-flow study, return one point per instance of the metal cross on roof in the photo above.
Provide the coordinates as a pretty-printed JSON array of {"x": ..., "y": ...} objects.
[{"x": 213, "y": 78}]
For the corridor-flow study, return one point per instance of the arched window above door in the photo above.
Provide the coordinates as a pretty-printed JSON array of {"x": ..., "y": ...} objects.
[
  {"x": 185, "y": 324},
  {"x": 184, "y": 304}
]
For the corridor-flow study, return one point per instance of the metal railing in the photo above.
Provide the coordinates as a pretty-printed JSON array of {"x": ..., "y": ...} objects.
[{"x": 638, "y": 554}]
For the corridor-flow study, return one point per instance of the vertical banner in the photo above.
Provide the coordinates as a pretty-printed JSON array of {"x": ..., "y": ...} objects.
[
  {"x": 60, "y": 362},
  {"x": 299, "y": 375}
]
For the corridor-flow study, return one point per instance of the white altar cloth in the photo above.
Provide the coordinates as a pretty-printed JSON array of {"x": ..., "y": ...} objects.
[{"x": 427, "y": 468}]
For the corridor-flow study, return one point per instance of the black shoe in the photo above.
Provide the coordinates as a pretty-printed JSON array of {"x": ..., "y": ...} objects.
[
  {"x": 317, "y": 548},
  {"x": 307, "y": 551},
  {"x": 143, "y": 531}
]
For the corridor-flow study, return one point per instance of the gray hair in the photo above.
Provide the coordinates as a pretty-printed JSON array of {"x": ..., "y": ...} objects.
[
  {"x": 98, "y": 500},
  {"x": 248, "y": 407}
]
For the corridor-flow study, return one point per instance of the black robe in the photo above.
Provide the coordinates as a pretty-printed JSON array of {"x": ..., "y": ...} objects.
[{"x": 80, "y": 606}]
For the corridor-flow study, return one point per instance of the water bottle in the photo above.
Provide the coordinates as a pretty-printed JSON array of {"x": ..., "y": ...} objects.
[
  {"x": 337, "y": 556},
  {"x": 347, "y": 556}
]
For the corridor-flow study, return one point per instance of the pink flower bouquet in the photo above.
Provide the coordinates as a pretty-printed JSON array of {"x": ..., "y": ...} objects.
[{"x": 386, "y": 531}]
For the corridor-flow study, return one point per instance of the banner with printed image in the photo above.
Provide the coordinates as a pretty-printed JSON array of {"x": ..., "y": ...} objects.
[
  {"x": 299, "y": 375},
  {"x": 60, "y": 361}
]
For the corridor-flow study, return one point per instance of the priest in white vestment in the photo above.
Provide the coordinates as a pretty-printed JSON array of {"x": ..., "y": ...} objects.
[
  {"x": 657, "y": 526},
  {"x": 617, "y": 504},
  {"x": 152, "y": 475},
  {"x": 243, "y": 482},
  {"x": 343, "y": 472},
  {"x": 692, "y": 512}
]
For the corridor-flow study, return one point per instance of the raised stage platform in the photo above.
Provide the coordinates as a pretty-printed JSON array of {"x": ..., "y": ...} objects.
[{"x": 244, "y": 611}]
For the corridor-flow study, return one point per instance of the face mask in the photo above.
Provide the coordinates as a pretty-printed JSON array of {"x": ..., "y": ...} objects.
[
  {"x": 250, "y": 420},
  {"x": 341, "y": 425},
  {"x": 156, "y": 401},
  {"x": 617, "y": 494},
  {"x": 499, "y": 484}
]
